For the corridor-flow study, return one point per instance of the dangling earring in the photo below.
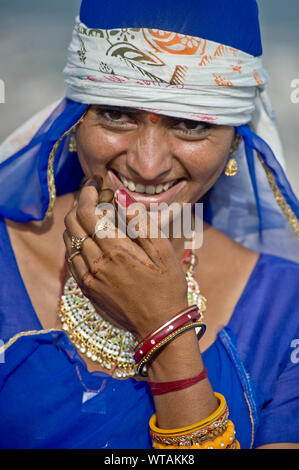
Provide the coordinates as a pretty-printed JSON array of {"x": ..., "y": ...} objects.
[
  {"x": 232, "y": 166},
  {"x": 73, "y": 144}
]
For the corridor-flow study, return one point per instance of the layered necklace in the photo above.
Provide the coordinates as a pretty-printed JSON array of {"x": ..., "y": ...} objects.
[{"x": 97, "y": 339}]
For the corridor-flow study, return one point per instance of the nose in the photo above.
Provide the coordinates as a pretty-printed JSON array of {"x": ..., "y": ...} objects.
[{"x": 149, "y": 157}]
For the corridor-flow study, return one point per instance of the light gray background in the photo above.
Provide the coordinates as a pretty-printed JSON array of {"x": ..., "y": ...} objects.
[{"x": 34, "y": 36}]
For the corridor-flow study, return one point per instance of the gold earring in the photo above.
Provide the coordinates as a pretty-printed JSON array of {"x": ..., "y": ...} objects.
[
  {"x": 73, "y": 144},
  {"x": 232, "y": 166}
]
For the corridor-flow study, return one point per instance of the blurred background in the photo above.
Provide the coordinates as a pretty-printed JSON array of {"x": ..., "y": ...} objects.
[{"x": 34, "y": 36}]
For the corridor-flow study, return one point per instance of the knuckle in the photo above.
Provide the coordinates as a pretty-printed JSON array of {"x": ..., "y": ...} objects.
[
  {"x": 86, "y": 283},
  {"x": 94, "y": 270},
  {"x": 118, "y": 253},
  {"x": 67, "y": 218},
  {"x": 84, "y": 212}
]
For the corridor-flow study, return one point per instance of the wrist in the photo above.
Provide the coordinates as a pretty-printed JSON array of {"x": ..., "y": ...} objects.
[
  {"x": 179, "y": 359},
  {"x": 164, "y": 315},
  {"x": 172, "y": 328}
]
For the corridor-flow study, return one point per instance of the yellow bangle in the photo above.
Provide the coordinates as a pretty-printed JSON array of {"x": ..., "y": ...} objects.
[
  {"x": 213, "y": 432},
  {"x": 194, "y": 427},
  {"x": 205, "y": 434},
  {"x": 221, "y": 442}
]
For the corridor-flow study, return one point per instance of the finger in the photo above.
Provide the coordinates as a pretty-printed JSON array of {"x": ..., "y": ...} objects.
[
  {"x": 89, "y": 251},
  {"x": 99, "y": 220},
  {"x": 88, "y": 204},
  {"x": 75, "y": 231},
  {"x": 92, "y": 205},
  {"x": 85, "y": 269},
  {"x": 106, "y": 195},
  {"x": 143, "y": 227},
  {"x": 75, "y": 261},
  {"x": 91, "y": 196}
]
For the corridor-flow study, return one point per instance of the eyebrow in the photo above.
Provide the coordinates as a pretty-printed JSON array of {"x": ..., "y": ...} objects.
[
  {"x": 121, "y": 109},
  {"x": 127, "y": 110}
]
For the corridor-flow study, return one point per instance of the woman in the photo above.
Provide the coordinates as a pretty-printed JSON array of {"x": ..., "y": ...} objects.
[{"x": 151, "y": 116}]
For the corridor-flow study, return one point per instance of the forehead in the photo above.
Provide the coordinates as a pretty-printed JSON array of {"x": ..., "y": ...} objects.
[{"x": 152, "y": 114}]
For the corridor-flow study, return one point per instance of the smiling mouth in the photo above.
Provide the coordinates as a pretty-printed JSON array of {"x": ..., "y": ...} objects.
[{"x": 148, "y": 189}]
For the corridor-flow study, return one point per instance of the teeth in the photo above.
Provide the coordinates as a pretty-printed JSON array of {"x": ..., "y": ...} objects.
[
  {"x": 148, "y": 189},
  {"x": 131, "y": 186},
  {"x": 140, "y": 188},
  {"x": 159, "y": 188}
]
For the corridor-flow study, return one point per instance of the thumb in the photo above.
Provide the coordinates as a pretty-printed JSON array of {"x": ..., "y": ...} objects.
[{"x": 100, "y": 195}]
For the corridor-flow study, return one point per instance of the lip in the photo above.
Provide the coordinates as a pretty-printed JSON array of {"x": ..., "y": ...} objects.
[{"x": 167, "y": 196}]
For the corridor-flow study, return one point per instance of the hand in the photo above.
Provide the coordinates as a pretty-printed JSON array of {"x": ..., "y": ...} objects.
[{"x": 139, "y": 283}]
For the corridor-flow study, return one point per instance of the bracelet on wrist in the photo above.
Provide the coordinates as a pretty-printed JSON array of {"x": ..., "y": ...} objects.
[
  {"x": 159, "y": 388},
  {"x": 214, "y": 432},
  {"x": 142, "y": 365},
  {"x": 175, "y": 322}
]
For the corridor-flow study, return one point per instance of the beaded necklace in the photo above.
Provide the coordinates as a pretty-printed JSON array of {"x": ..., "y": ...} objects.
[{"x": 99, "y": 340}]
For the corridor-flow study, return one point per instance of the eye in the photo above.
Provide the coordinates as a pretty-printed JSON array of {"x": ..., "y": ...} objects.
[
  {"x": 191, "y": 127},
  {"x": 114, "y": 117}
]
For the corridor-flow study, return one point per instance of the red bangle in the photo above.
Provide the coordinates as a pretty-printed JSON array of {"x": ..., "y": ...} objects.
[
  {"x": 158, "y": 388},
  {"x": 178, "y": 320},
  {"x": 168, "y": 322},
  {"x": 142, "y": 365}
]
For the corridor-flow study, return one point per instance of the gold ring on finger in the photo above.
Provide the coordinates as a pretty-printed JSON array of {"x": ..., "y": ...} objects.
[
  {"x": 72, "y": 256},
  {"x": 77, "y": 242}
]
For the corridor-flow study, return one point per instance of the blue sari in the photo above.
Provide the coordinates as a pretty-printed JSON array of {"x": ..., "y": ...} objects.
[{"x": 49, "y": 400}]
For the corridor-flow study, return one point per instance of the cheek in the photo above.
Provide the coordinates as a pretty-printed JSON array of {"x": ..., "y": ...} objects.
[
  {"x": 206, "y": 161},
  {"x": 96, "y": 148}
]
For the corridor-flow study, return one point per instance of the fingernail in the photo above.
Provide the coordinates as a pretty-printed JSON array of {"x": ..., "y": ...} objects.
[
  {"x": 123, "y": 198},
  {"x": 106, "y": 195},
  {"x": 96, "y": 181}
]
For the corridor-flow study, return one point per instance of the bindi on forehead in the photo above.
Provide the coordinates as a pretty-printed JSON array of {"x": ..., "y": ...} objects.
[{"x": 154, "y": 118}]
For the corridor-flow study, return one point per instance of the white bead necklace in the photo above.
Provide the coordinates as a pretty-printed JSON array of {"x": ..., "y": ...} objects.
[{"x": 111, "y": 347}]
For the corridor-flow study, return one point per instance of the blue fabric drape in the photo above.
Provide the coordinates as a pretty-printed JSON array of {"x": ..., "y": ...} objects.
[
  {"x": 228, "y": 23},
  {"x": 24, "y": 193},
  {"x": 250, "y": 363}
]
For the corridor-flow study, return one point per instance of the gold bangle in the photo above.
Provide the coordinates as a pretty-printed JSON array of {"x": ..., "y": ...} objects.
[
  {"x": 214, "y": 432},
  {"x": 223, "y": 441},
  {"x": 197, "y": 437},
  {"x": 194, "y": 427}
]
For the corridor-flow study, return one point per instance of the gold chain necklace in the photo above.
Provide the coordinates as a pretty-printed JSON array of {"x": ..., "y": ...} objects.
[{"x": 97, "y": 339}]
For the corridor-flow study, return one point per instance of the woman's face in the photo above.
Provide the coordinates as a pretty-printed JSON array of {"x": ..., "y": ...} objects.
[{"x": 155, "y": 158}]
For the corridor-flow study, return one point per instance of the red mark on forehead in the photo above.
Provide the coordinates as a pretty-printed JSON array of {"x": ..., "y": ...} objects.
[{"x": 154, "y": 118}]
